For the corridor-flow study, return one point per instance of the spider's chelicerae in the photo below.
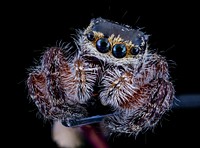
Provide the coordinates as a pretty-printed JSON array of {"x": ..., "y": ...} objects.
[{"x": 109, "y": 70}]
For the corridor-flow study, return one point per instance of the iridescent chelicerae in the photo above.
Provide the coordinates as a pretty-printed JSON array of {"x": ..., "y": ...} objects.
[{"x": 110, "y": 66}]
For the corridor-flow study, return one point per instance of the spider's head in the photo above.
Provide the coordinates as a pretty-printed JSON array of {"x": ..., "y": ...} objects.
[{"x": 112, "y": 42}]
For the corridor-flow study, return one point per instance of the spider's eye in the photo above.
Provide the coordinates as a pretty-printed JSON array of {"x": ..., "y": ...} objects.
[
  {"x": 103, "y": 45},
  {"x": 135, "y": 50},
  {"x": 90, "y": 36},
  {"x": 119, "y": 51}
]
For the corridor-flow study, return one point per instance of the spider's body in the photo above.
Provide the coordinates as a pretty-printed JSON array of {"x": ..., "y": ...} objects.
[{"x": 113, "y": 65}]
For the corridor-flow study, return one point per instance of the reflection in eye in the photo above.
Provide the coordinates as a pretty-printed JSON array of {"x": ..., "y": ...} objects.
[
  {"x": 119, "y": 51},
  {"x": 103, "y": 45}
]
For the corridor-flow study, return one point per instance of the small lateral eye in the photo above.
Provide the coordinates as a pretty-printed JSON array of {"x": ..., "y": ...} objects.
[
  {"x": 90, "y": 36},
  {"x": 103, "y": 45},
  {"x": 119, "y": 51},
  {"x": 135, "y": 50}
]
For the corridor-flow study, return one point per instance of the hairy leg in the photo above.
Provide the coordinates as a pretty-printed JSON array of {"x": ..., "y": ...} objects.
[
  {"x": 59, "y": 87},
  {"x": 139, "y": 95}
]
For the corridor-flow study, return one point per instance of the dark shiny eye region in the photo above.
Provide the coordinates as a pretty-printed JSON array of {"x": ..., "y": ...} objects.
[
  {"x": 103, "y": 45},
  {"x": 135, "y": 50},
  {"x": 90, "y": 36},
  {"x": 119, "y": 50}
]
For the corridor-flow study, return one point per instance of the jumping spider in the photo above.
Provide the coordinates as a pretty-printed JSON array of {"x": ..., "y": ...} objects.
[{"x": 110, "y": 70}]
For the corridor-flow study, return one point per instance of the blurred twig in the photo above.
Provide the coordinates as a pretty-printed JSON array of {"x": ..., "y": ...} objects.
[{"x": 95, "y": 138}]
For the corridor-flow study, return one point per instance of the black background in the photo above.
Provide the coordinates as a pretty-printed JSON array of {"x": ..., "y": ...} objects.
[{"x": 30, "y": 27}]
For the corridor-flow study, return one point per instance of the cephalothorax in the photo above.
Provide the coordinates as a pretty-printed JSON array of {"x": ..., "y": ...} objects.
[{"x": 110, "y": 71}]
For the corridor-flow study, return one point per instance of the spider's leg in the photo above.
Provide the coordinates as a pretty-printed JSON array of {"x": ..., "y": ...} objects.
[
  {"x": 51, "y": 85},
  {"x": 140, "y": 98}
]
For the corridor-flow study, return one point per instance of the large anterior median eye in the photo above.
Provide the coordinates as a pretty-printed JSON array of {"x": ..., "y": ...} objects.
[
  {"x": 119, "y": 51},
  {"x": 103, "y": 45}
]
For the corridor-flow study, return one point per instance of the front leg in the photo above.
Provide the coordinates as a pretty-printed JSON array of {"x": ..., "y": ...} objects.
[
  {"x": 139, "y": 96},
  {"x": 60, "y": 87}
]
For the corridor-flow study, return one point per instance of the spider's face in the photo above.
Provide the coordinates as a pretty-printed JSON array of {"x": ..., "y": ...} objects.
[{"x": 113, "y": 43}]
